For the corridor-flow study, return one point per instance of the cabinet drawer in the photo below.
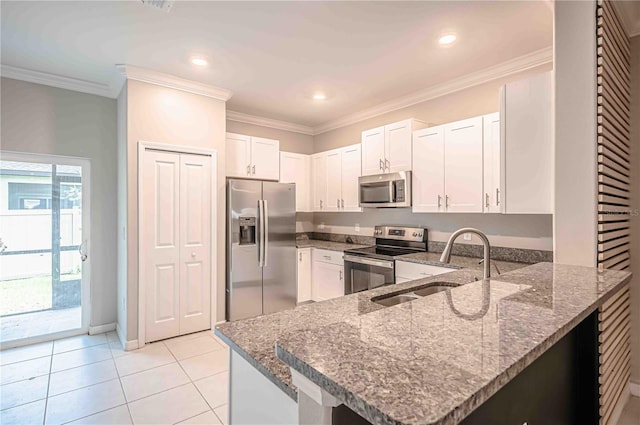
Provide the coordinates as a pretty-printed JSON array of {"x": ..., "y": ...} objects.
[
  {"x": 414, "y": 271},
  {"x": 326, "y": 256}
]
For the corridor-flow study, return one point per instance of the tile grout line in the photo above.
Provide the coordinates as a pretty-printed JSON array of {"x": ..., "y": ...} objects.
[
  {"x": 191, "y": 381},
  {"x": 124, "y": 395},
  {"x": 46, "y": 400}
]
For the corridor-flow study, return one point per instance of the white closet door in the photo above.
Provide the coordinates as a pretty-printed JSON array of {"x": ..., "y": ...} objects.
[
  {"x": 195, "y": 243},
  {"x": 160, "y": 245}
]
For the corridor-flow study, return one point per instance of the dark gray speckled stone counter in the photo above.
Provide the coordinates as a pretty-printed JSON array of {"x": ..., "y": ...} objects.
[
  {"x": 436, "y": 359},
  {"x": 331, "y": 246}
]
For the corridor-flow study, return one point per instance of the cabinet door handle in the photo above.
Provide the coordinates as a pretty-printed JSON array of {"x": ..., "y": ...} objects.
[
  {"x": 486, "y": 200},
  {"x": 342, "y": 203},
  {"x": 497, "y": 196},
  {"x": 338, "y": 202},
  {"x": 248, "y": 170},
  {"x": 321, "y": 204},
  {"x": 439, "y": 201},
  {"x": 340, "y": 274},
  {"x": 254, "y": 170},
  {"x": 446, "y": 201},
  {"x": 381, "y": 165},
  {"x": 387, "y": 164},
  {"x": 300, "y": 255},
  {"x": 327, "y": 257}
]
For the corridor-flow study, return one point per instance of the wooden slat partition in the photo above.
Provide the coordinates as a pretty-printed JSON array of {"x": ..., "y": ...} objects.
[{"x": 614, "y": 209}]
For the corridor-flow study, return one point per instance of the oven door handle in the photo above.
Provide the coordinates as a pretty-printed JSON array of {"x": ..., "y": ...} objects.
[{"x": 369, "y": 261}]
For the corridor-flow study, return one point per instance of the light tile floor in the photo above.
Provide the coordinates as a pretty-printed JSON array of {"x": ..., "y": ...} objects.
[
  {"x": 631, "y": 413},
  {"x": 90, "y": 379}
]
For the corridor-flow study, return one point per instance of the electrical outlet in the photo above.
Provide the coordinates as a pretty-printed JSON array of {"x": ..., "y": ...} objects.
[
  {"x": 321, "y": 226},
  {"x": 467, "y": 236},
  {"x": 357, "y": 227}
]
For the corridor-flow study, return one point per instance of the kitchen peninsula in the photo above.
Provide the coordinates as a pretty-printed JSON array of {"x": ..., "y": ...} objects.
[{"x": 439, "y": 359}]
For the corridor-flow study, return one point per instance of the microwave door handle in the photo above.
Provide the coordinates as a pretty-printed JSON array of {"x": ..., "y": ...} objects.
[{"x": 392, "y": 186}]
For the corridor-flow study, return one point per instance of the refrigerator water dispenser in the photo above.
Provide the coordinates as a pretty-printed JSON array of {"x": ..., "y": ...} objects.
[{"x": 247, "y": 230}]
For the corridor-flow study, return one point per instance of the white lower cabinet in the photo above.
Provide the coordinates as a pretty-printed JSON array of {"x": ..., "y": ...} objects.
[
  {"x": 327, "y": 274},
  {"x": 304, "y": 274},
  {"x": 406, "y": 271}
]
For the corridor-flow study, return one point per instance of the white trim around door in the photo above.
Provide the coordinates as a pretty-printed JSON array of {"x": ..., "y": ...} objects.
[{"x": 142, "y": 147}]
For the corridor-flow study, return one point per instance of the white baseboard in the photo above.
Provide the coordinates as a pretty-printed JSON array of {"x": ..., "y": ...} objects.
[
  {"x": 635, "y": 389},
  {"x": 127, "y": 345},
  {"x": 100, "y": 329}
]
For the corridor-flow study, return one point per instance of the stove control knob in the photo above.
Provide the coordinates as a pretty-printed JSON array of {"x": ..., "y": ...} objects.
[
  {"x": 420, "y": 234},
  {"x": 415, "y": 234}
]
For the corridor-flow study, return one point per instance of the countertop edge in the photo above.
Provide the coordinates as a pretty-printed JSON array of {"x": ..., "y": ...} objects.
[
  {"x": 465, "y": 408},
  {"x": 293, "y": 394}
]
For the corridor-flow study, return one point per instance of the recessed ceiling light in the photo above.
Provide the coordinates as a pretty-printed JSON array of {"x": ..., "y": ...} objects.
[
  {"x": 447, "y": 39},
  {"x": 199, "y": 61},
  {"x": 319, "y": 96}
]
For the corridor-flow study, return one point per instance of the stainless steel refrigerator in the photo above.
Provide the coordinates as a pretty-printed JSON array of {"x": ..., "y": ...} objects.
[{"x": 261, "y": 248}]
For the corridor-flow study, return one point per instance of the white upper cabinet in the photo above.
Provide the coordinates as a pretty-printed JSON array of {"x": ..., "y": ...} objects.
[
  {"x": 373, "y": 151},
  {"x": 447, "y": 167},
  {"x": 252, "y": 157},
  {"x": 319, "y": 181},
  {"x": 428, "y": 170},
  {"x": 492, "y": 164},
  {"x": 387, "y": 149},
  {"x": 335, "y": 179},
  {"x": 296, "y": 168},
  {"x": 527, "y": 145},
  {"x": 350, "y": 170},
  {"x": 463, "y": 165},
  {"x": 265, "y": 158},
  {"x": 397, "y": 138},
  {"x": 238, "y": 155}
]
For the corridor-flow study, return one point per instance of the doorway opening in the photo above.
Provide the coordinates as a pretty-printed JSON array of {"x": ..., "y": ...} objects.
[{"x": 44, "y": 233}]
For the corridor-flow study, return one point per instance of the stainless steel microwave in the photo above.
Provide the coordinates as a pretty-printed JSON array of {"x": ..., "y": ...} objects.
[{"x": 385, "y": 190}]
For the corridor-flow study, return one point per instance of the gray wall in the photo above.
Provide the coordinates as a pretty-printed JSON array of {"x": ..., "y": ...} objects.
[
  {"x": 46, "y": 120},
  {"x": 635, "y": 203},
  {"x": 289, "y": 141}
]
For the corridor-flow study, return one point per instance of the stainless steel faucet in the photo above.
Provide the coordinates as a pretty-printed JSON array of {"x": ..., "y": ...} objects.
[{"x": 446, "y": 254}]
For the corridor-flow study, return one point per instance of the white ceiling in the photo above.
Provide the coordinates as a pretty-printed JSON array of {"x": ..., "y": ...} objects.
[{"x": 274, "y": 55}]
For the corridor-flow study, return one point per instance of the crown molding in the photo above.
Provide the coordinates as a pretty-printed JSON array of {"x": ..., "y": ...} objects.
[
  {"x": 37, "y": 77},
  {"x": 513, "y": 66},
  {"x": 130, "y": 72},
  {"x": 629, "y": 14},
  {"x": 268, "y": 122}
]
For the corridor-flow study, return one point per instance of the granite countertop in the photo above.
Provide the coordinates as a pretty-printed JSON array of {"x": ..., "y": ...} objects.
[
  {"x": 435, "y": 359},
  {"x": 460, "y": 262},
  {"x": 330, "y": 245},
  {"x": 431, "y": 360}
]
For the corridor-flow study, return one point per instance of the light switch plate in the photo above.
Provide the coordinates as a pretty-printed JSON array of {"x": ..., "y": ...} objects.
[
  {"x": 357, "y": 227},
  {"x": 467, "y": 236},
  {"x": 321, "y": 226}
]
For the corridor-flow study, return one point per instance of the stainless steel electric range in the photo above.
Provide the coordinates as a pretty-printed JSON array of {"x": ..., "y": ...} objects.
[{"x": 374, "y": 266}]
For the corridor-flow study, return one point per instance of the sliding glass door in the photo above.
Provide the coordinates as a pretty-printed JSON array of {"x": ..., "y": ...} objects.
[{"x": 44, "y": 224}]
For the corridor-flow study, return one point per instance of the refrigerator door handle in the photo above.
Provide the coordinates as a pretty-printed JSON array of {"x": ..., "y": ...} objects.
[
  {"x": 265, "y": 237},
  {"x": 260, "y": 234}
]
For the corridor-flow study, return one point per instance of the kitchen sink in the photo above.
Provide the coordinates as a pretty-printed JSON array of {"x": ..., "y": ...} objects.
[
  {"x": 423, "y": 291},
  {"x": 396, "y": 299}
]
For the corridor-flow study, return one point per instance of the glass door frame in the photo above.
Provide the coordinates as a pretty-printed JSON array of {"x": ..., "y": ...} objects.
[{"x": 85, "y": 285}]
